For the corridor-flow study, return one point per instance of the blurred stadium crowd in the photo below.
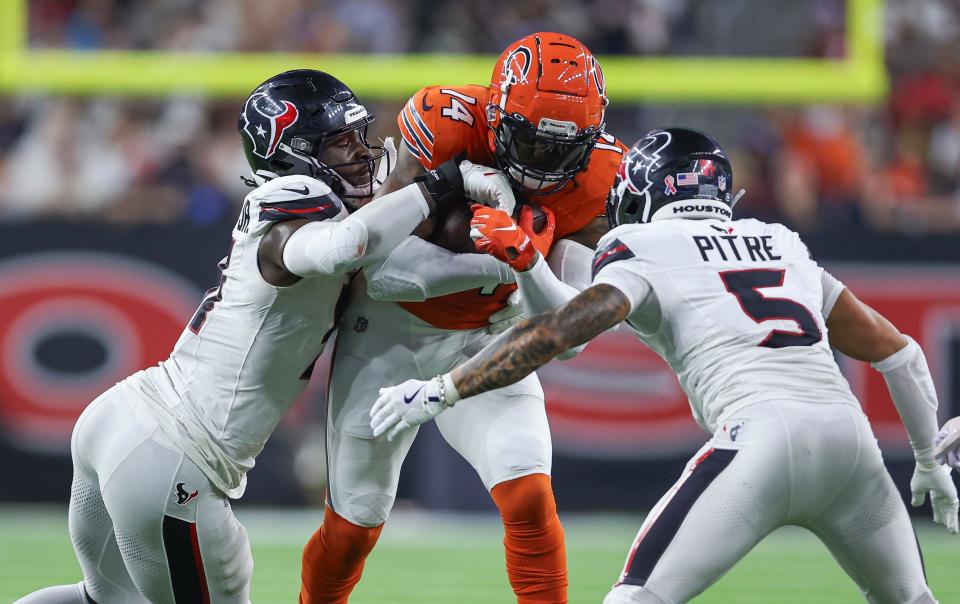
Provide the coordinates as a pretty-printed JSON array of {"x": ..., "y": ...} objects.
[{"x": 892, "y": 167}]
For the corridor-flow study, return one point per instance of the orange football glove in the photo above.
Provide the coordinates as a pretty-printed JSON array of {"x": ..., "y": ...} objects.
[
  {"x": 495, "y": 233},
  {"x": 544, "y": 239}
]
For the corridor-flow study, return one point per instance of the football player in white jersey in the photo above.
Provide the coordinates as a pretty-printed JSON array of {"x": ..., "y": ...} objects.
[
  {"x": 158, "y": 456},
  {"x": 741, "y": 312}
]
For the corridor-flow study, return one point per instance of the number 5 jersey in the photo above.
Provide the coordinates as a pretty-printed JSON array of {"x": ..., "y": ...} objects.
[{"x": 737, "y": 309}]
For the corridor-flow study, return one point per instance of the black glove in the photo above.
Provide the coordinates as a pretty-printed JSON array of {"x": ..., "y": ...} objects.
[{"x": 444, "y": 185}]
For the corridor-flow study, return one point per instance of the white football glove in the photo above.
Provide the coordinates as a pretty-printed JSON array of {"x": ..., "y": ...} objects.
[
  {"x": 935, "y": 479},
  {"x": 946, "y": 445},
  {"x": 489, "y": 186},
  {"x": 507, "y": 317},
  {"x": 401, "y": 407}
]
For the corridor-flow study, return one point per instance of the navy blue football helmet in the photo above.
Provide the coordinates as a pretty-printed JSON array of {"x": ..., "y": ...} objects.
[
  {"x": 672, "y": 172},
  {"x": 286, "y": 121}
]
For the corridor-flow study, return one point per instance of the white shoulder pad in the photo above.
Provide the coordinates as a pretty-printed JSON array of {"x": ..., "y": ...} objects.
[
  {"x": 789, "y": 241},
  {"x": 652, "y": 246},
  {"x": 616, "y": 245},
  {"x": 618, "y": 233},
  {"x": 292, "y": 197}
]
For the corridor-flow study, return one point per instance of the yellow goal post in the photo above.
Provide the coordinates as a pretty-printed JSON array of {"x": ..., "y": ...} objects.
[{"x": 858, "y": 77}]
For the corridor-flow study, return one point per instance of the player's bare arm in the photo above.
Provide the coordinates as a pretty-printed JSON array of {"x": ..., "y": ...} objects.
[
  {"x": 407, "y": 170},
  {"x": 860, "y": 332},
  {"x": 270, "y": 253},
  {"x": 514, "y": 355},
  {"x": 534, "y": 342}
]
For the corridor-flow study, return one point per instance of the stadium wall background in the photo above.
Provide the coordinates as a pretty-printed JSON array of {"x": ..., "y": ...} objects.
[{"x": 83, "y": 305}]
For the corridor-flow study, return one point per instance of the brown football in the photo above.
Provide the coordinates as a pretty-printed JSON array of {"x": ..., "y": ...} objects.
[
  {"x": 539, "y": 217},
  {"x": 452, "y": 231}
]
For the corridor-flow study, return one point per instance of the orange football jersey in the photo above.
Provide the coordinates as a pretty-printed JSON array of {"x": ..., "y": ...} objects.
[{"x": 437, "y": 124}]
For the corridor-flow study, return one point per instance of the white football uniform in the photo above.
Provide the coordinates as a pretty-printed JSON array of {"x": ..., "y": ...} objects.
[
  {"x": 738, "y": 311},
  {"x": 379, "y": 343},
  {"x": 157, "y": 456}
]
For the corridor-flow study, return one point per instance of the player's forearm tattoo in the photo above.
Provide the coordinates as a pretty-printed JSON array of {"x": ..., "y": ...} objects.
[{"x": 534, "y": 342}]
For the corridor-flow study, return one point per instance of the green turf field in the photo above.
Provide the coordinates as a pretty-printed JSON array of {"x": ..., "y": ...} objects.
[{"x": 451, "y": 559}]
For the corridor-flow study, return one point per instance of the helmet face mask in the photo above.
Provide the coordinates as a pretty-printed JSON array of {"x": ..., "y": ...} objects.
[
  {"x": 624, "y": 206},
  {"x": 546, "y": 111},
  {"x": 672, "y": 173},
  {"x": 542, "y": 159},
  {"x": 287, "y": 122}
]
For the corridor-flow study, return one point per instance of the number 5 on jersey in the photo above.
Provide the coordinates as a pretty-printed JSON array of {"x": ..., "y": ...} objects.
[{"x": 745, "y": 285}]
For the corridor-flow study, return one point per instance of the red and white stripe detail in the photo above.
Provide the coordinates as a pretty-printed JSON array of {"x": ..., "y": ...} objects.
[{"x": 658, "y": 509}]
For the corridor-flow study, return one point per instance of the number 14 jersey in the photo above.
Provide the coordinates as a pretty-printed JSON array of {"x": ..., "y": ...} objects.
[
  {"x": 738, "y": 309},
  {"x": 439, "y": 123}
]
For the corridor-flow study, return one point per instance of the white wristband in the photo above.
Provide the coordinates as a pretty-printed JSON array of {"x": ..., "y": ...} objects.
[{"x": 450, "y": 394}]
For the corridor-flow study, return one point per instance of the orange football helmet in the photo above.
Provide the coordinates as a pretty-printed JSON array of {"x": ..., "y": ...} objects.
[{"x": 547, "y": 104}]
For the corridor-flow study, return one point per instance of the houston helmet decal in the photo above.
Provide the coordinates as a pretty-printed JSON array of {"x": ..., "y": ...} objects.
[{"x": 265, "y": 120}]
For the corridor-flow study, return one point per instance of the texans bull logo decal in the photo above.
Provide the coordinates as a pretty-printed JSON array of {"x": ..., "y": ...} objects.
[
  {"x": 265, "y": 121},
  {"x": 183, "y": 496}
]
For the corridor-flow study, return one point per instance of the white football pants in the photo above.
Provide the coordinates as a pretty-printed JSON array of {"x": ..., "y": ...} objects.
[
  {"x": 769, "y": 465},
  {"x": 503, "y": 434},
  {"x": 145, "y": 522}
]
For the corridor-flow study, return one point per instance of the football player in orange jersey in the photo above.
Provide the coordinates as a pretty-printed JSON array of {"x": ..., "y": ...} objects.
[{"x": 428, "y": 307}]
